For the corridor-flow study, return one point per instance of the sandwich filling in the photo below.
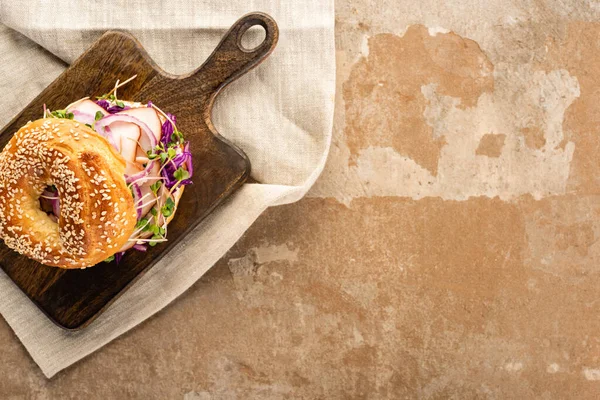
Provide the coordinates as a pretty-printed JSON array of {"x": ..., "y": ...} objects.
[{"x": 157, "y": 155}]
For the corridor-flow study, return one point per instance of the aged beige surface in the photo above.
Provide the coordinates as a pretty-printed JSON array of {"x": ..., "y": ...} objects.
[{"x": 450, "y": 249}]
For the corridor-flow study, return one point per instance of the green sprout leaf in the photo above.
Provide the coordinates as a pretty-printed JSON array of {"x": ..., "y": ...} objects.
[
  {"x": 98, "y": 115},
  {"x": 181, "y": 174},
  {"x": 168, "y": 208},
  {"x": 141, "y": 223},
  {"x": 59, "y": 114},
  {"x": 157, "y": 230},
  {"x": 153, "y": 241},
  {"x": 155, "y": 186}
]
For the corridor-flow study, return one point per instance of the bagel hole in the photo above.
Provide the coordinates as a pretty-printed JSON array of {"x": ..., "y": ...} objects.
[{"x": 49, "y": 202}]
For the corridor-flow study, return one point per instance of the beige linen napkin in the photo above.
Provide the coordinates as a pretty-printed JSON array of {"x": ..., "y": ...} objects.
[{"x": 280, "y": 114}]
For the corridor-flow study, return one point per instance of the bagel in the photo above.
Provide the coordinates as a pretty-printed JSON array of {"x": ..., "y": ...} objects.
[
  {"x": 97, "y": 212},
  {"x": 92, "y": 181}
]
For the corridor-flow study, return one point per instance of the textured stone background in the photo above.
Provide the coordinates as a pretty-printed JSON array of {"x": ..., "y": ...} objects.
[{"x": 450, "y": 249}]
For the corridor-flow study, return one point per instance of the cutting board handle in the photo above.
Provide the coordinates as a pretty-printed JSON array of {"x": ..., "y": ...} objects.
[{"x": 231, "y": 59}]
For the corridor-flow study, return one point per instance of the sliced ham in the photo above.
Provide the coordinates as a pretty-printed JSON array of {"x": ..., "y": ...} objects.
[
  {"x": 163, "y": 193},
  {"x": 132, "y": 168},
  {"x": 128, "y": 134},
  {"x": 140, "y": 156},
  {"x": 155, "y": 170},
  {"x": 150, "y": 118},
  {"x": 150, "y": 178}
]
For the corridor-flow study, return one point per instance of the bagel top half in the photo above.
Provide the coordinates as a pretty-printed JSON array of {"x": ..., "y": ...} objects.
[{"x": 97, "y": 213}]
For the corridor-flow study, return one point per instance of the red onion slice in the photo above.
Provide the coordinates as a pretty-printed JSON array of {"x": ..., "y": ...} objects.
[
  {"x": 137, "y": 199},
  {"x": 52, "y": 199},
  {"x": 102, "y": 127},
  {"x": 56, "y": 207},
  {"x": 149, "y": 117},
  {"x": 140, "y": 247},
  {"x": 144, "y": 199},
  {"x": 110, "y": 136},
  {"x": 189, "y": 164},
  {"x": 140, "y": 175}
]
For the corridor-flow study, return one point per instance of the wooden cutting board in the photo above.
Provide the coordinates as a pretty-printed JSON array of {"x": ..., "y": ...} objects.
[{"x": 74, "y": 298}]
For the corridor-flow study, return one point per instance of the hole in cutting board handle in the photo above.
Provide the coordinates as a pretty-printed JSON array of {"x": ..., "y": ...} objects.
[
  {"x": 252, "y": 38},
  {"x": 232, "y": 58}
]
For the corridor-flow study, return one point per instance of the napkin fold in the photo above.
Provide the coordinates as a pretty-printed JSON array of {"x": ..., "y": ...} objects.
[{"x": 280, "y": 114}]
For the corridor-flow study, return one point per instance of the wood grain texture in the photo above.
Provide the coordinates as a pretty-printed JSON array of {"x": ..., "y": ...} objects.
[{"x": 73, "y": 298}]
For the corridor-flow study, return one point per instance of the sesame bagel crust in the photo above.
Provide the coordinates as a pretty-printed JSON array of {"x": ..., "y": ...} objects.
[{"x": 97, "y": 214}]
